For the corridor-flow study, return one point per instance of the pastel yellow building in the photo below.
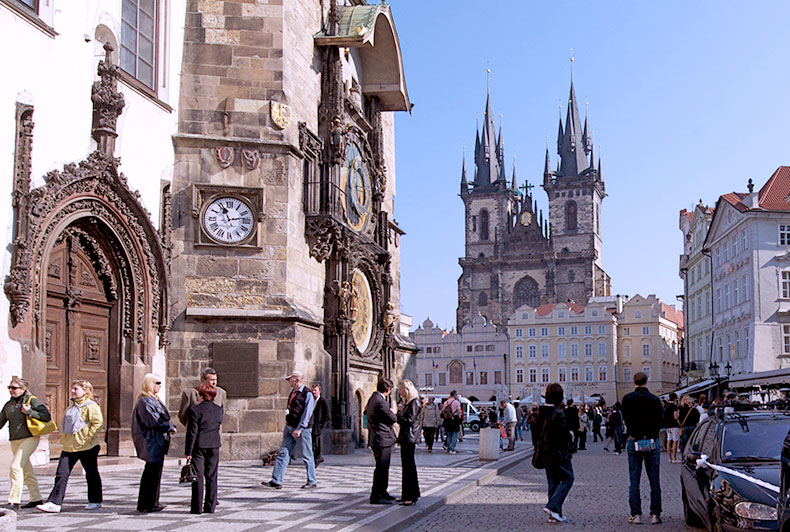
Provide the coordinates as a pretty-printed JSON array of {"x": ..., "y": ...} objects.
[{"x": 568, "y": 343}]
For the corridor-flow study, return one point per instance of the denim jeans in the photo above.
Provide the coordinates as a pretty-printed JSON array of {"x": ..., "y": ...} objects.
[
  {"x": 560, "y": 477},
  {"x": 305, "y": 442},
  {"x": 452, "y": 439},
  {"x": 651, "y": 461}
]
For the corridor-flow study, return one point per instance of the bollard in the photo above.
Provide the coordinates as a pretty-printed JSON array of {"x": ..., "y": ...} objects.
[{"x": 489, "y": 444}]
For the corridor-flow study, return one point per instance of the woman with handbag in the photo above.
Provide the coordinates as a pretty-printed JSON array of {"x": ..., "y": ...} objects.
[
  {"x": 202, "y": 448},
  {"x": 688, "y": 416},
  {"x": 79, "y": 434},
  {"x": 151, "y": 429},
  {"x": 409, "y": 420},
  {"x": 17, "y": 412}
]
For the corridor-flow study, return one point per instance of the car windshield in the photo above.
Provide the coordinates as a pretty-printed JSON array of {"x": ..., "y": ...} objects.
[{"x": 754, "y": 439}]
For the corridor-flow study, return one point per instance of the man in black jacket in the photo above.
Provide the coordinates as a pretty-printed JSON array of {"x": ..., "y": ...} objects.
[
  {"x": 572, "y": 418},
  {"x": 320, "y": 419},
  {"x": 555, "y": 443},
  {"x": 643, "y": 415},
  {"x": 381, "y": 438}
]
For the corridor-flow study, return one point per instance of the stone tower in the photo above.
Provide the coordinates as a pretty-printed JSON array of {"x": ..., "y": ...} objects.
[
  {"x": 286, "y": 254},
  {"x": 575, "y": 193}
]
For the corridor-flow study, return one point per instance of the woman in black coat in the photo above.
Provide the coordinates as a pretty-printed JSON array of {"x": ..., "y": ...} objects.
[
  {"x": 556, "y": 440},
  {"x": 409, "y": 418},
  {"x": 202, "y": 447}
]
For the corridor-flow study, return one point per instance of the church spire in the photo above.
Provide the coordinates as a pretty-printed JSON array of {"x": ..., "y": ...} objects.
[
  {"x": 571, "y": 143},
  {"x": 513, "y": 184},
  {"x": 487, "y": 156},
  {"x": 464, "y": 182}
]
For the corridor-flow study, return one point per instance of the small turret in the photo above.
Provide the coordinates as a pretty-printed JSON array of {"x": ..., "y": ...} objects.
[{"x": 464, "y": 182}]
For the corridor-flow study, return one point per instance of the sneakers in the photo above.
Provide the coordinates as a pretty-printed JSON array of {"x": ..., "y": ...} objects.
[
  {"x": 655, "y": 519},
  {"x": 635, "y": 520},
  {"x": 49, "y": 507},
  {"x": 453, "y": 452},
  {"x": 93, "y": 506},
  {"x": 273, "y": 484},
  {"x": 554, "y": 516},
  {"x": 309, "y": 486}
]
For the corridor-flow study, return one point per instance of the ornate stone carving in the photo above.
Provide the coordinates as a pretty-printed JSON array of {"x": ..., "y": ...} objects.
[
  {"x": 337, "y": 139},
  {"x": 310, "y": 144},
  {"x": 108, "y": 103},
  {"x": 322, "y": 234},
  {"x": 224, "y": 156},
  {"x": 280, "y": 114},
  {"x": 250, "y": 158}
]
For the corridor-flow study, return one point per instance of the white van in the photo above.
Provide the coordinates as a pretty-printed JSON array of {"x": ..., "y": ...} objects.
[{"x": 472, "y": 418}]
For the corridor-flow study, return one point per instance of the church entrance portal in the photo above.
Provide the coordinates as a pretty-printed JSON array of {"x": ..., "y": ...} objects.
[{"x": 79, "y": 338}]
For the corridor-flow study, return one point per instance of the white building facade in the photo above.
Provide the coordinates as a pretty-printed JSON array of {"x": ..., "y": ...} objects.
[
  {"x": 749, "y": 240},
  {"x": 473, "y": 361},
  {"x": 53, "y": 49}
]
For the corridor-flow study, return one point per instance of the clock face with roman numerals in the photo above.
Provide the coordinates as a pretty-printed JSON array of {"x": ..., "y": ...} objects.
[{"x": 228, "y": 220}]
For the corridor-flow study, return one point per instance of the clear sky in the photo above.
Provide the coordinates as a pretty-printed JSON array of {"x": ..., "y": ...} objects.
[{"x": 687, "y": 101}]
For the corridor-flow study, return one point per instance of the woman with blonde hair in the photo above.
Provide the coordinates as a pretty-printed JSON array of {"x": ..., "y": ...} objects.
[
  {"x": 15, "y": 412},
  {"x": 79, "y": 434},
  {"x": 151, "y": 429},
  {"x": 410, "y": 426},
  {"x": 688, "y": 416}
]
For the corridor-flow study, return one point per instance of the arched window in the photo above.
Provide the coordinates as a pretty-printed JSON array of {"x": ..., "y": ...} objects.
[
  {"x": 482, "y": 300},
  {"x": 484, "y": 225},
  {"x": 526, "y": 292},
  {"x": 570, "y": 216},
  {"x": 456, "y": 372}
]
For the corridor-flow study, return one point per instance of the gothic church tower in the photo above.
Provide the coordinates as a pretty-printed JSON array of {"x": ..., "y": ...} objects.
[{"x": 575, "y": 193}]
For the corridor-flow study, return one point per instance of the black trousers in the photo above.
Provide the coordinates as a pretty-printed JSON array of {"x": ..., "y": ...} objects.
[
  {"x": 149, "y": 486},
  {"x": 205, "y": 462},
  {"x": 67, "y": 461},
  {"x": 581, "y": 440},
  {"x": 410, "y": 486},
  {"x": 430, "y": 435},
  {"x": 597, "y": 434},
  {"x": 381, "y": 475},
  {"x": 316, "y": 447}
]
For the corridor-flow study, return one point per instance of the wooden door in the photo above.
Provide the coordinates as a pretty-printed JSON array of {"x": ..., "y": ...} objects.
[{"x": 77, "y": 334}]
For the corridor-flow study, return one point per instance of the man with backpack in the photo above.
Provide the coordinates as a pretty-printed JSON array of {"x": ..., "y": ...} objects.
[
  {"x": 643, "y": 416},
  {"x": 553, "y": 451},
  {"x": 451, "y": 421}
]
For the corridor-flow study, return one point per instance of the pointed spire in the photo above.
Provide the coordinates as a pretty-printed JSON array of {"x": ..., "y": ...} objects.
[
  {"x": 560, "y": 134},
  {"x": 586, "y": 137},
  {"x": 513, "y": 184},
  {"x": 600, "y": 171},
  {"x": 592, "y": 157},
  {"x": 572, "y": 149},
  {"x": 547, "y": 165},
  {"x": 464, "y": 182},
  {"x": 487, "y": 150}
]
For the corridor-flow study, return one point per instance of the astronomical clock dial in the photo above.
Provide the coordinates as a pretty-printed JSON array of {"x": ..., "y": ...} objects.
[
  {"x": 362, "y": 309},
  {"x": 525, "y": 218},
  {"x": 228, "y": 220},
  {"x": 356, "y": 183}
]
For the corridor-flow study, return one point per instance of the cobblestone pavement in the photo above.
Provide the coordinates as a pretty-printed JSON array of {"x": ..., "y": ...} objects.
[
  {"x": 340, "y": 503},
  {"x": 598, "y": 500}
]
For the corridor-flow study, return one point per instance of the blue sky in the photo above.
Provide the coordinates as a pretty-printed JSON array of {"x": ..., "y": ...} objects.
[{"x": 687, "y": 101}]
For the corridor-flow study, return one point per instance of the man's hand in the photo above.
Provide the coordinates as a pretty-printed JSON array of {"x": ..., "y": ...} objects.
[{"x": 297, "y": 433}]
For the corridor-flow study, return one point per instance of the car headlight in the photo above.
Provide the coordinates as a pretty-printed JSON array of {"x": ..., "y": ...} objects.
[{"x": 756, "y": 511}]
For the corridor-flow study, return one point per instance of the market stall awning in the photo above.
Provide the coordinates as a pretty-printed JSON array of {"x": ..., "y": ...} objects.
[
  {"x": 772, "y": 378},
  {"x": 698, "y": 387}
]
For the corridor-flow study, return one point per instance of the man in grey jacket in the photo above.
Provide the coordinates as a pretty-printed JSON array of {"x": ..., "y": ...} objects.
[
  {"x": 430, "y": 422},
  {"x": 190, "y": 397}
]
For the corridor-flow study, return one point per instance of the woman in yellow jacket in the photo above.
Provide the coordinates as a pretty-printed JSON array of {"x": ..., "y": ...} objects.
[{"x": 79, "y": 435}]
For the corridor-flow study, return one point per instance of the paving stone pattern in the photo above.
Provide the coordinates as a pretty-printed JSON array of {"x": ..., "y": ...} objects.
[
  {"x": 339, "y": 503},
  {"x": 598, "y": 500}
]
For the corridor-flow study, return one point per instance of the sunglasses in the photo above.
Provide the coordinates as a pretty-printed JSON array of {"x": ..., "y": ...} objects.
[
  {"x": 157, "y": 382},
  {"x": 15, "y": 388}
]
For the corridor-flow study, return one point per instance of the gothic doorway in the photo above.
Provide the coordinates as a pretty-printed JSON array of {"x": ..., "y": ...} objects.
[{"x": 79, "y": 336}]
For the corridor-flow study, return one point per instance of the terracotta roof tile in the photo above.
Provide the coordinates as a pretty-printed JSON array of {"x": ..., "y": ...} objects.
[
  {"x": 734, "y": 199},
  {"x": 774, "y": 194},
  {"x": 545, "y": 310}
]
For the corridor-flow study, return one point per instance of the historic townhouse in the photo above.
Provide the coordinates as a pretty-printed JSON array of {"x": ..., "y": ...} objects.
[
  {"x": 749, "y": 240},
  {"x": 695, "y": 272},
  {"x": 472, "y": 361}
]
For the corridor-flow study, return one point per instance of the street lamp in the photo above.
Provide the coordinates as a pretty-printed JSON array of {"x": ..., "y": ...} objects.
[{"x": 728, "y": 367}]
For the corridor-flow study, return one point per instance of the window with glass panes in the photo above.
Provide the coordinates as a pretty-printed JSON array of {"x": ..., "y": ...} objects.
[
  {"x": 784, "y": 235},
  {"x": 575, "y": 374},
  {"x": 588, "y": 329},
  {"x": 138, "y": 40},
  {"x": 561, "y": 374},
  {"x": 483, "y": 377},
  {"x": 442, "y": 379},
  {"x": 602, "y": 349},
  {"x": 544, "y": 374},
  {"x": 32, "y": 4},
  {"x": 786, "y": 284},
  {"x": 533, "y": 375},
  {"x": 544, "y": 331},
  {"x": 562, "y": 350},
  {"x": 588, "y": 349},
  {"x": 497, "y": 377},
  {"x": 519, "y": 375},
  {"x": 627, "y": 374},
  {"x": 470, "y": 378},
  {"x": 531, "y": 332},
  {"x": 602, "y": 373},
  {"x": 588, "y": 373},
  {"x": 519, "y": 351},
  {"x": 544, "y": 350},
  {"x": 646, "y": 350},
  {"x": 786, "y": 339},
  {"x": 428, "y": 379},
  {"x": 575, "y": 350},
  {"x": 533, "y": 351}
]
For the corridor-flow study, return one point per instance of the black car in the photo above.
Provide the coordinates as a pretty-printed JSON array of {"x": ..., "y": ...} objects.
[
  {"x": 749, "y": 443},
  {"x": 784, "y": 488}
]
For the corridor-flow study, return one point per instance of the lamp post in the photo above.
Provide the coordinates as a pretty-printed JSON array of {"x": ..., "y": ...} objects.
[{"x": 714, "y": 372}]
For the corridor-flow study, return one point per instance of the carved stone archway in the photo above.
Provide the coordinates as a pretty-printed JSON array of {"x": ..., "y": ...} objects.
[{"x": 91, "y": 205}]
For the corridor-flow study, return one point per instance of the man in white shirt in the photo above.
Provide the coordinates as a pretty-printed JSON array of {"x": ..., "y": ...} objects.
[{"x": 509, "y": 419}]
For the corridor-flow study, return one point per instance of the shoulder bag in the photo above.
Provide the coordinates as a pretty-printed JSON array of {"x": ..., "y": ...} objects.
[
  {"x": 188, "y": 474},
  {"x": 36, "y": 426}
]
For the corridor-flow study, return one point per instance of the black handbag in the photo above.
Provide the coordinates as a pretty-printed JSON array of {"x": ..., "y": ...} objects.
[{"x": 188, "y": 473}]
